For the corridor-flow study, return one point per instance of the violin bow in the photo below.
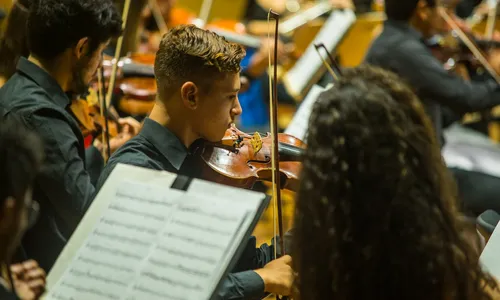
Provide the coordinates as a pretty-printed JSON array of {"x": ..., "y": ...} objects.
[
  {"x": 470, "y": 45},
  {"x": 490, "y": 22},
  {"x": 273, "y": 108},
  {"x": 332, "y": 67},
  {"x": 205, "y": 10},
  {"x": 112, "y": 79},
  {"x": 156, "y": 12},
  {"x": 104, "y": 110}
]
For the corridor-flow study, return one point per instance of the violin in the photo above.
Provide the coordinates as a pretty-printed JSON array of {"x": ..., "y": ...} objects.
[
  {"x": 90, "y": 119},
  {"x": 241, "y": 159},
  {"x": 136, "y": 83}
]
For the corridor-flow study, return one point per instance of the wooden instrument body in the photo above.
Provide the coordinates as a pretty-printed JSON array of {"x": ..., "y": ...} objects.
[{"x": 236, "y": 161}]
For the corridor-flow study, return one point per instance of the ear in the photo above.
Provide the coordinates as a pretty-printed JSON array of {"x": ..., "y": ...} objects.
[
  {"x": 190, "y": 95},
  {"x": 82, "y": 47},
  {"x": 7, "y": 215}
]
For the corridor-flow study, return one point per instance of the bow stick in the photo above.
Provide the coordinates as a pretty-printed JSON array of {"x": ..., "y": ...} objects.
[
  {"x": 156, "y": 12},
  {"x": 105, "y": 103},
  {"x": 470, "y": 45},
  {"x": 273, "y": 108},
  {"x": 333, "y": 68}
]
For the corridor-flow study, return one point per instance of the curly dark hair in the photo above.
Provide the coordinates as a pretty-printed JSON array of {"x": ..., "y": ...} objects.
[
  {"x": 14, "y": 43},
  {"x": 376, "y": 214},
  {"x": 189, "y": 53}
]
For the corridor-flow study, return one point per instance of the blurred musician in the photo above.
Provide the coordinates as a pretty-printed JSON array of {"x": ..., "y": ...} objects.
[
  {"x": 65, "y": 53},
  {"x": 400, "y": 48},
  {"x": 20, "y": 161}
]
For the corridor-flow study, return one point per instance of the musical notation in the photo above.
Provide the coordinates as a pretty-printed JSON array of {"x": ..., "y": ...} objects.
[
  {"x": 153, "y": 243},
  {"x": 162, "y": 295},
  {"x": 203, "y": 228},
  {"x": 194, "y": 241}
]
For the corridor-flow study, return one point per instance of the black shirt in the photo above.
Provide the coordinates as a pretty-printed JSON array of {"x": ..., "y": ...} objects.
[
  {"x": 63, "y": 188},
  {"x": 6, "y": 294},
  {"x": 156, "y": 147},
  {"x": 400, "y": 48}
]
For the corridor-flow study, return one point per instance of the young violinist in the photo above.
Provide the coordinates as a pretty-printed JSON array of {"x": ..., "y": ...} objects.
[
  {"x": 446, "y": 96},
  {"x": 66, "y": 39},
  {"x": 198, "y": 80},
  {"x": 20, "y": 160},
  {"x": 376, "y": 216}
]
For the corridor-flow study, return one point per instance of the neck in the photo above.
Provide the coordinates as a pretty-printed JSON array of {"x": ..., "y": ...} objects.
[
  {"x": 181, "y": 128},
  {"x": 62, "y": 77}
]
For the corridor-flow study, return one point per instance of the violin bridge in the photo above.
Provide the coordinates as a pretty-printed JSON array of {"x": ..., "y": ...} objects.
[{"x": 256, "y": 142}]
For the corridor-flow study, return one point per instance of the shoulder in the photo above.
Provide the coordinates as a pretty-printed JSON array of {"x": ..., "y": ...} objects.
[
  {"x": 29, "y": 100},
  {"x": 135, "y": 152},
  {"x": 391, "y": 44},
  {"x": 138, "y": 152}
]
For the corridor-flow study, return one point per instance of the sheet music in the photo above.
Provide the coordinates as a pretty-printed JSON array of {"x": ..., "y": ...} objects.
[
  {"x": 299, "y": 125},
  {"x": 490, "y": 258},
  {"x": 305, "y": 71},
  {"x": 153, "y": 242}
]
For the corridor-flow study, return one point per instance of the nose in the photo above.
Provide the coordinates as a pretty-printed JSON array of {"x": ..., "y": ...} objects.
[{"x": 237, "y": 110}]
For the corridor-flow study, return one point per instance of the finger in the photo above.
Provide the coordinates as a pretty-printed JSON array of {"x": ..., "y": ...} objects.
[
  {"x": 30, "y": 264},
  {"x": 36, "y": 273},
  {"x": 126, "y": 128},
  {"x": 287, "y": 259},
  {"x": 36, "y": 284},
  {"x": 16, "y": 269}
]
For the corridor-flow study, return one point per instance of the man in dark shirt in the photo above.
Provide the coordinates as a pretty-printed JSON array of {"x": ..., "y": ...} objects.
[
  {"x": 400, "y": 48},
  {"x": 66, "y": 40},
  {"x": 198, "y": 82}
]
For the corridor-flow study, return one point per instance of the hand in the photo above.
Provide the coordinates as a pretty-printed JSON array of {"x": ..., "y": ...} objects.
[
  {"x": 29, "y": 279},
  {"x": 278, "y": 276},
  {"x": 130, "y": 126}
]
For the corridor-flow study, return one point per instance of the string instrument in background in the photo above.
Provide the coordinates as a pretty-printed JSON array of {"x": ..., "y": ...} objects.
[
  {"x": 92, "y": 123},
  {"x": 452, "y": 51},
  {"x": 494, "y": 128},
  {"x": 135, "y": 84}
]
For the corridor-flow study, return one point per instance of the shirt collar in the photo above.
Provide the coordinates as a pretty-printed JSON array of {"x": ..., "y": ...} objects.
[
  {"x": 44, "y": 80},
  {"x": 164, "y": 141},
  {"x": 403, "y": 27}
]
